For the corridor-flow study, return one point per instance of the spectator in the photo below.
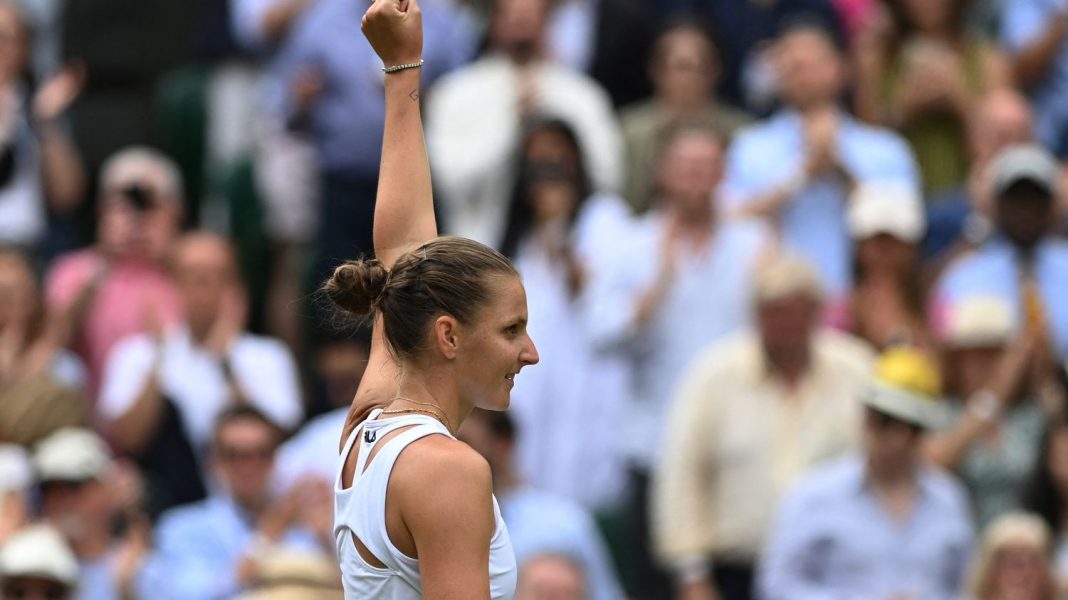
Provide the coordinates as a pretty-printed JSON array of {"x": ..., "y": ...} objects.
[
  {"x": 41, "y": 385},
  {"x": 676, "y": 283},
  {"x": 313, "y": 450},
  {"x": 605, "y": 40},
  {"x": 560, "y": 234},
  {"x": 475, "y": 116},
  {"x": 87, "y": 498},
  {"x": 284, "y": 163},
  {"x": 208, "y": 549},
  {"x": 36, "y": 563},
  {"x": 685, "y": 67},
  {"x": 40, "y": 170},
  {"x": 959, "y": 218},
  {"x": 1014, "y": 562},
  {"x": 16, "y": 477},
  {"x": 996, "y": 417},
  {"x": 886, "y": 306},
  {"x": 330, "y": 88},
  {"x": 104, "y": 293},
  {"x": 1022, "y": 263},
  {"x": 1046, "y": 493},
  {"x": 883, "y": 524},
  {"x": 752, "y": 414},
  {"x": 551, "y": 577},
  {"x": 1034, "y": 34},
  {"x": 921, "y": 72},
  {"x": 743, "y": 31},
  {"x": 163, "y": 391},
  {"x": 797, "y": 168},
  {"x": 540, "y": 522}
]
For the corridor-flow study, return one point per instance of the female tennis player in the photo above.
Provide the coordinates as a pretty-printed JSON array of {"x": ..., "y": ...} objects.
[{"x": 414, "y": 515}]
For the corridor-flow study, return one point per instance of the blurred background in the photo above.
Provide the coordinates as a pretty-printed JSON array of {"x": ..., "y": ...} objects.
[{"x": 796, "y": 269}]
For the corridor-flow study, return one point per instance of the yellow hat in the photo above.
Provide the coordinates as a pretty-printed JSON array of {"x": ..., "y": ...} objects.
[{"x": 906, "y": 386}]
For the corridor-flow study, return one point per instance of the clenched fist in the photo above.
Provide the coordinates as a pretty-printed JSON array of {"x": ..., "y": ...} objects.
[{"x": 395, "y": 30}]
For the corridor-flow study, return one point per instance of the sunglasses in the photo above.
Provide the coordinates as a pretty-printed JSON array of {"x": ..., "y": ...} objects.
[{"x": 882, "y": 421}]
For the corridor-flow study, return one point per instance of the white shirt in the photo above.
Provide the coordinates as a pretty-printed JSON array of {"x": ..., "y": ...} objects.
[
  {"x": 569, "y": 408},
  {"x": 193, "y": 379},
  {"x": 708, "y": 299},
  {"x": 473, "y": 131},
  {"x": 22, "y": 208}
]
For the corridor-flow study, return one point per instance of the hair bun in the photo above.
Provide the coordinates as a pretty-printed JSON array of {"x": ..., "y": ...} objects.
[{"x": 357, "y": 285}]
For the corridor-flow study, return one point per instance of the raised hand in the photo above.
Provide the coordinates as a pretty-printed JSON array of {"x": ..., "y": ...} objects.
[
  {"x": 56, "y": 95},
  {"x": 395, "y": 30}
]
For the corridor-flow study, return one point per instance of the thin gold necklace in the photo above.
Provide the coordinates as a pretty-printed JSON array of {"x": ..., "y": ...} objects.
[
  {"x": 404, "y": 411},
  {"x": 440, "y": 416}
]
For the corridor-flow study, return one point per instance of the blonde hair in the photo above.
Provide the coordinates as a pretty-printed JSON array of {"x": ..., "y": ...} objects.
[{"x": 1012, "y": 529}]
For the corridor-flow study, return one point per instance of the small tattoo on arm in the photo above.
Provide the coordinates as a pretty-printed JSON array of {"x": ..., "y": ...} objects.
[{"x": 414, "y": 95}]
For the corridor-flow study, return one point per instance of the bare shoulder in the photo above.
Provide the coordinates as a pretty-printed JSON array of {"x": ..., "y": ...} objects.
[{"x": 437, "y": 460}]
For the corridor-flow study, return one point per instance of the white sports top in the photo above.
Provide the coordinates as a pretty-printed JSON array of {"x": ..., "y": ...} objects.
[{"x": 360, "y": 510}]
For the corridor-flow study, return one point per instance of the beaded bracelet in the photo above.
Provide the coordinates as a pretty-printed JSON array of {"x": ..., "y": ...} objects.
[{"x": 396, "y": 68}]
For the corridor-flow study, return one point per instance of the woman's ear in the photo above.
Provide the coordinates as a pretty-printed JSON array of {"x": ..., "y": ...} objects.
[{"x": 447, "y": 336}]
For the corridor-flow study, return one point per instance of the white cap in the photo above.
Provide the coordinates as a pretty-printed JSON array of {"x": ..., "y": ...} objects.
[
  {"x": 15, "y": 471},
  {"x": 39, "y": 551},
  {"x": 1029, "y": 162},
  {"x": 980, "y": 322},
  {"x": 892, "y": 207},
  {"x": 71, "y": 454},
  {"x": 784, "y": 275}
]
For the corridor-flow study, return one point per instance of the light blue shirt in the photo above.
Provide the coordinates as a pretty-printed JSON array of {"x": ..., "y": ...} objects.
[
  {"x": 1023, "y": 22},
  {"x": 200, "y": 545},
  {"x": 539, "y": 523},
  {"x": 834, "y": 540},
  {"x": 992, "y": 270},
  {"x": 313, "y": 451},
  {"x": 346, "y": 121},
  {"x": 766, "y": 155},
  {"x": 96, "y": 580}
]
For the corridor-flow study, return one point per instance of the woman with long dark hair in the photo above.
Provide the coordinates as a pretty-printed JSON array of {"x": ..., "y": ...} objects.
[
  {"x": 921, "y": 71},
  {"x": 559, "y": 233}
]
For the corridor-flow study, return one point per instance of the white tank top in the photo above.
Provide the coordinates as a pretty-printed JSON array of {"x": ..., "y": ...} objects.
[{"x": 361, "y": 510}]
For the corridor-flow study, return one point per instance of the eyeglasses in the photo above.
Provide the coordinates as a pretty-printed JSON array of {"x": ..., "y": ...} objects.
[{"x": 33, "y": 590}]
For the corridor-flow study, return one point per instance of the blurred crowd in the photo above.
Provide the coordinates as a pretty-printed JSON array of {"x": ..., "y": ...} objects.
[{"x": 796, "y": 269}]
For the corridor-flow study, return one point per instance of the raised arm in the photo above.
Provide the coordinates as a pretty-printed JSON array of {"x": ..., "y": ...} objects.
[{"x": 404, "y": 213}]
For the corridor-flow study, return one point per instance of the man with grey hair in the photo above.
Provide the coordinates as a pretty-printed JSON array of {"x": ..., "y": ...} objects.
[
  {"x": 119, "y": 286},
  {"x": 752, "y": 414}
]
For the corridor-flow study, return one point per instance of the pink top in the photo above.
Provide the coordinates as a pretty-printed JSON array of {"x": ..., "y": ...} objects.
[{"x": 120, "y": 307}]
